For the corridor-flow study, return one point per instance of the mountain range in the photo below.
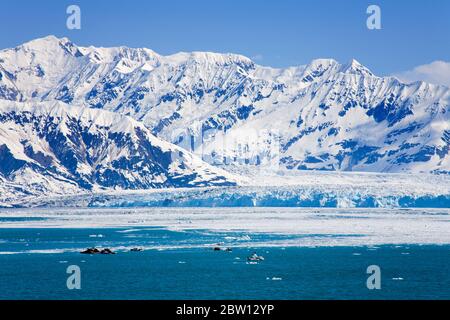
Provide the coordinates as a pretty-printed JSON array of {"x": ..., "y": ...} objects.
[{"x": 112, "y": 117}]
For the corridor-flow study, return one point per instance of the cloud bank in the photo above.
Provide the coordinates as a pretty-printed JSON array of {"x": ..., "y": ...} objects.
[{"x": 437, "y": 72}]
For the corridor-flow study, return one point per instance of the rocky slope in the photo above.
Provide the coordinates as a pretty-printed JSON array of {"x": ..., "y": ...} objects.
[{"x": 56, "y": 148}]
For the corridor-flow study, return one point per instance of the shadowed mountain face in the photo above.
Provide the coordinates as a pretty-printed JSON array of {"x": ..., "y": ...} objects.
[
  {"x": 322, "y": 116},
  {"x": 45, "y": 143}
]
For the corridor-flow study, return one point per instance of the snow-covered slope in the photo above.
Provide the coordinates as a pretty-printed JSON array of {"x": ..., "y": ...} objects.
[
  {"x": 49, "y": 147},
  {"x": 323, "y": 116}
]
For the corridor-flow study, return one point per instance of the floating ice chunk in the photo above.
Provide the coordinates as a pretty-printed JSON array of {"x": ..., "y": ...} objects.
[{"x": 274, "y": 278}]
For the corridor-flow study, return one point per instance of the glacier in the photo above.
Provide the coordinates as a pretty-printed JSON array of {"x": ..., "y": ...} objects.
[{"x": 305, "y": 189}]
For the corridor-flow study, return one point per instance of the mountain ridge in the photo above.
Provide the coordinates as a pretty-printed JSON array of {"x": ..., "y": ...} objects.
[{"x": 48, "y": 146}]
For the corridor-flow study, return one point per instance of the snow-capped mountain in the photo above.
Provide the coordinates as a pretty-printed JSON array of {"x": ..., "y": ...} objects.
[
  {"x": 323, "y": 116},
  {"x": 52, "y": 147}
]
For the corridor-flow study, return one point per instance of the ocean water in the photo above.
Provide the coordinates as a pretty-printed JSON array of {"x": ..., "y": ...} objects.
[
  {"x": 309, "y": 253},
  {"x": 181, "y": 264}
]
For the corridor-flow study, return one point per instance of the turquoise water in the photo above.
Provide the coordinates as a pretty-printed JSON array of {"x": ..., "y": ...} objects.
[{"x": 183, "y": 265}]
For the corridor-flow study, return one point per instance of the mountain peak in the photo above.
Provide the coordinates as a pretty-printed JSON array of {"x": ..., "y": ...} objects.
[
  {"x": 45, "y": 41},
  {"x": 212, "y": 58},
  {"x": 355, "y": 67},
  {"x": 321, "y": 63},
  {"x": 52, "y": 44}
]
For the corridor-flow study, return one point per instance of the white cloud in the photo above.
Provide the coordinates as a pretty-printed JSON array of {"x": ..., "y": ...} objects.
[{"x": 437, "y": 72}]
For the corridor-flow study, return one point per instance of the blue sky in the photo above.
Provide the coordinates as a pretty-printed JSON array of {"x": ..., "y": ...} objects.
[{"x": 276, "y": 33}]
